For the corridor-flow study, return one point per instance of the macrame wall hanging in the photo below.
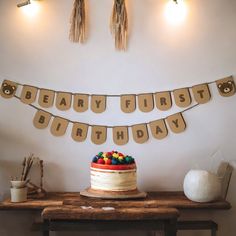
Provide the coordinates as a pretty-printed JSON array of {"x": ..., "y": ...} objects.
[
  {"x": 78, "y": 22},
  {"x": 119, "y": 24}
]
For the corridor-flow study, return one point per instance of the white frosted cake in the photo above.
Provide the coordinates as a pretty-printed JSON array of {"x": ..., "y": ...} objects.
[
  {"x": 113, "y": 178},
  {"x": 113, "y": 171}
]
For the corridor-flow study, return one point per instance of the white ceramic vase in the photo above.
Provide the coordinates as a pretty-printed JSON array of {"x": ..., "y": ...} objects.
[
  {"x": 18, "y": 194},
  {"x": 18, "y": 191},
  {"x": 202, "y": 186}
]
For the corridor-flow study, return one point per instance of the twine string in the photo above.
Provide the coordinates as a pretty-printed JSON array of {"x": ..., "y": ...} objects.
[
  {"x": 115, "y": 95},
  {"x": 107, "y": 126}
]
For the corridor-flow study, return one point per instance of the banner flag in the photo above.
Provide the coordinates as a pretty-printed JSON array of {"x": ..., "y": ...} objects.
[
  {"x": 80, "y": 103},
  {"x": 176, "y": 123},
  {"x": 201, "y": 93},
  {"x": 99, "y": 134},
  {"x": 182, "y": 97},
  {"x": 28, "y": 94},
  {"x": 63, "y": 101},
  {"x": 59, "y": 126},
  {"x": 158, "y": 129},
  {"x": 98, "y": 103},
  {"x": 145, "y": 102},
  {"x": 79, "y": 132},
  {"x": 120, "y": 135},
  {"x": 128, "y": 103},
  {"x": 41, "y": 119},
  {"x": 226, "y": 86},
  {"x": 163, "y": 100},
  {"x": 46, "y": 98},
  {"x": 8, "y": 89},
  {"x": 140, "y": 133}
]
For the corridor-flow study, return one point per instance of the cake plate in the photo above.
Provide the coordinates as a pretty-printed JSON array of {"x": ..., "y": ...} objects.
[{"x": 133, "y": 194}]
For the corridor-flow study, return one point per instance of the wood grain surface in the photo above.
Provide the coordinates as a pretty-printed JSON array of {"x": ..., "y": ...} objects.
[
  {"x": 79, "y": 213},
  {"x": 153, "y": 199}
]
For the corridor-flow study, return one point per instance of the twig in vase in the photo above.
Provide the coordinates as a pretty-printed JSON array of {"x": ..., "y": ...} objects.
[
  {"x": 23, "y": 170},
  {"x": 29, "y": 163},
  {"x": 41, "y": 173}
]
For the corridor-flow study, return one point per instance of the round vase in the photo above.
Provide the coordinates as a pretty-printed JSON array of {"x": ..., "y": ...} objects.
[
  {"x": 18, "y": 194},
  {"x": 202, "y": 186}
]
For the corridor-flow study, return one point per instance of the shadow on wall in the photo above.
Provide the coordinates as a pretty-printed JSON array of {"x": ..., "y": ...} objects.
[
  {"x": 8, "y": 169},
  {"x": 54, "y": 176},
  {"x": 8, "y": 136}
]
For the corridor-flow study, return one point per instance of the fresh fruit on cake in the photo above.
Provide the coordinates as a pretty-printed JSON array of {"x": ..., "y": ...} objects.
[{"x": 113, "y": 171}]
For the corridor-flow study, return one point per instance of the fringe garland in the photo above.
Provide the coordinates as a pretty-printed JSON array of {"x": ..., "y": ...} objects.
[
  {"x": 78, "y": 22},
  {"x": 119, "y": 24}
]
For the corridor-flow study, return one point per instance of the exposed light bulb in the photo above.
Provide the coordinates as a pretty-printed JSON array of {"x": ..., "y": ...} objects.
[
  {"x": 30, "y": 9},
  {"x": 176, "y": 11},
  {"x": 23, "y": 3}
]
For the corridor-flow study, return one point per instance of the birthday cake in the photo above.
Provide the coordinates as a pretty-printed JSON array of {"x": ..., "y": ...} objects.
[
  {"x": 113, "y": 171},
  {"x": 113, "y": 176}
]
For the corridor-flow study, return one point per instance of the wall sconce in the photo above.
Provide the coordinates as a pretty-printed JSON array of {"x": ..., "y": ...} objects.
[
  {"x": 24, "y": 3},
  {"x": 30, "y": 8},
  {"x": 176, "y": 11}
]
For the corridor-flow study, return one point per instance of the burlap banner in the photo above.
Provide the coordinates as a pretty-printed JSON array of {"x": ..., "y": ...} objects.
[
  {"x": 41, "y": 119},
  {"x": 98, "y": 103},
  {"x": 79, "y": 131},
  {"x": 120, "y": 135},
  {"x": 81, "y": 102},
  {"x": 158, "y": 129},
  {"x": 163, "y": 100},
  {"x": 8, "y": 89},
  {"x": 28, "y": 94},
  {"x": 140, "y": 132},
  {"x": 46, "y": 98},
  {"x": 99, "y": 134}
]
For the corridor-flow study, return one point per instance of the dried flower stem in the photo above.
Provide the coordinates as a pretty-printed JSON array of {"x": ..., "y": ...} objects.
[
  {"x": 119, "y": 24},
  {"x": 78, "y": 22}
]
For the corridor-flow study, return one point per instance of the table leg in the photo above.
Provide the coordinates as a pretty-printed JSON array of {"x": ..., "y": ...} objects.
[
  {"x": 46, "y": 230},
  {"x": 170, "y": 228},
  {"x": 213, "y": 232}
]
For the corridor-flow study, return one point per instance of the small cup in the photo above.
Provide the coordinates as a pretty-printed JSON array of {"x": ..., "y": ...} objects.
[
  {"x": 18, "y": 184},
  {"x": 19, "y": 194}
]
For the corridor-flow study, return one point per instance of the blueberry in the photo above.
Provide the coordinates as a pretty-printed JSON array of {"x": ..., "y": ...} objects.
[{"x": 114, "y": 161}]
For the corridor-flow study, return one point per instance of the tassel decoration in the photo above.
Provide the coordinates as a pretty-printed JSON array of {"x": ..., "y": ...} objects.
[
  {"x": 78, "y": 22},
  {"x": 119, "y": 24}
]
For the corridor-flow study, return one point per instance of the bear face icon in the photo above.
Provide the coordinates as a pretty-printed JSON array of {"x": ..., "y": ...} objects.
[
  {"x": 8, "y": 89},
  {"x": 226, "y": 87}
]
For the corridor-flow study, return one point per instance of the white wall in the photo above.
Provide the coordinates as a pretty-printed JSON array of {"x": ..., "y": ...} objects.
[{"x": 37, "y": 51}]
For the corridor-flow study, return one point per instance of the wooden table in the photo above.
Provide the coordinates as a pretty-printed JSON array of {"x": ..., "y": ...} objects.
[
  {"x": 153, "y": 199},
  {"x": 160, "y": 211},
  {"x": 104, "y": 219}
]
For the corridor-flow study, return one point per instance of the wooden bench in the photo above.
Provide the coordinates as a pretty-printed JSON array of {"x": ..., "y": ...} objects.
[
  {"x": 103, "y": 219},
  {"x": 153, "y": 200}
]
